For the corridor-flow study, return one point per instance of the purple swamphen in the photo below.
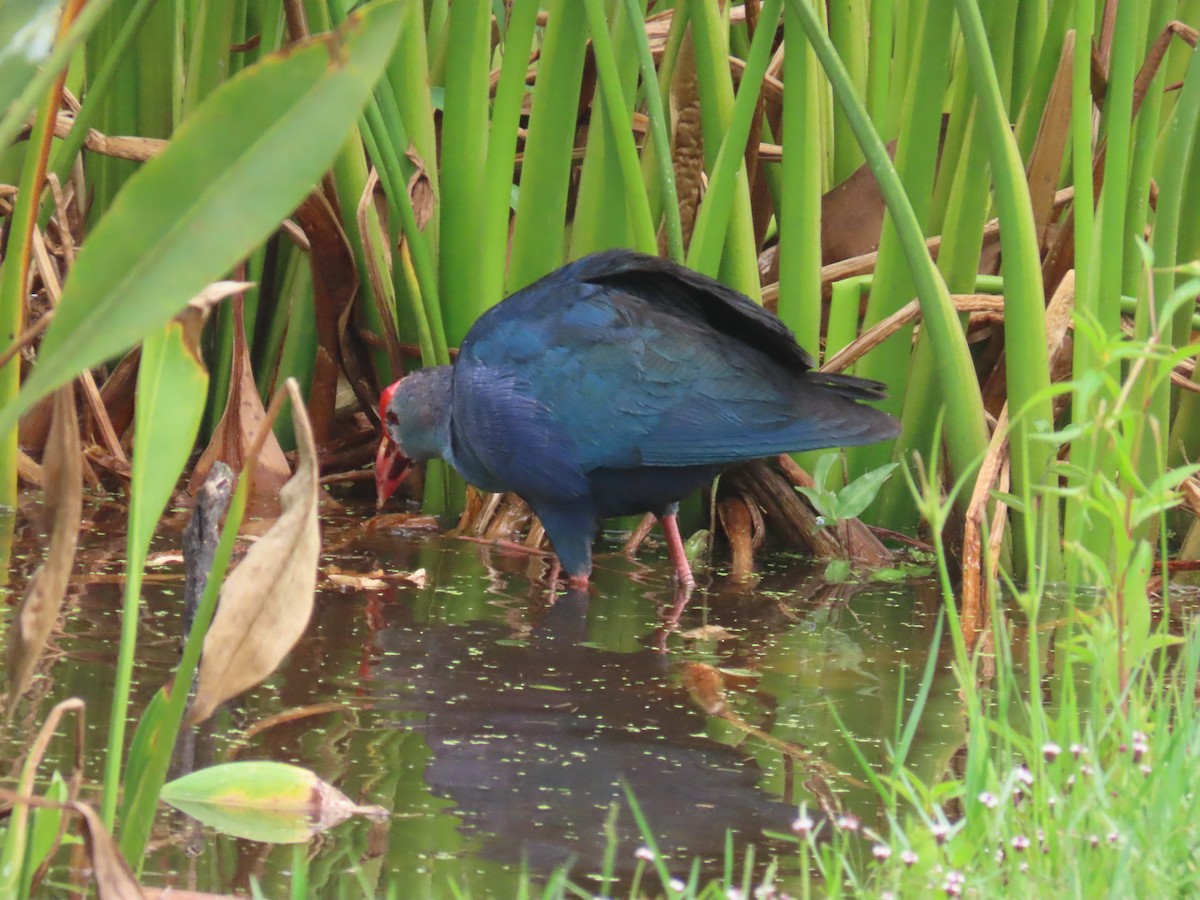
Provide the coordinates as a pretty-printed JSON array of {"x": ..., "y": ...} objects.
[{"x": 617, "y": 385}]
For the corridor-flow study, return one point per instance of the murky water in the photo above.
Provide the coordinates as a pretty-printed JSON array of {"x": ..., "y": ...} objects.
[{"x": 498, "y": 723}]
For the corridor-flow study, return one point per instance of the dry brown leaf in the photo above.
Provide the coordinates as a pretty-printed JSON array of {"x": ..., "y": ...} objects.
[
  {"x": 114, "y": 878},
  {"x": 62, "y": 467},
  {"x": 707, "y": 687},
  {"x": 687, "y": 137},
  {"x": 335, "y": 284},
  {"x": 266, "y": 602},
  {"x": 420, "y": 190},
  {"x": 239, "y": 427},
  {"x": 359, "y": 582}
]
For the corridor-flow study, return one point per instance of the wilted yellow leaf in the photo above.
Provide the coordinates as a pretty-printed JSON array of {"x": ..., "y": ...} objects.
[{"x": 266, "y": 602}]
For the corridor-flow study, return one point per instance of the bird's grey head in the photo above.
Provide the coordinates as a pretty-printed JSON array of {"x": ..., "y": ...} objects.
[{"x": 416, "y": 425}]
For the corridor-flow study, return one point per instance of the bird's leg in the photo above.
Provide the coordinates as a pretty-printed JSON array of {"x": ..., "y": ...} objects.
[
  {"x": 675, "y": 552},
  {"x": 575, "y": 582}
]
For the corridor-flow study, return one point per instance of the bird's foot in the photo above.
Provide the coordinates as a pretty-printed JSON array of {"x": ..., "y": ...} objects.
[{"x": 578, "y": 582}]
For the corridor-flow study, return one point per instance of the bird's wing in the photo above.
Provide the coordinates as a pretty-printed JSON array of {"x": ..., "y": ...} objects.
[
  {"x": 641, "y": 362},
  {"x": 504, "y": 439}
]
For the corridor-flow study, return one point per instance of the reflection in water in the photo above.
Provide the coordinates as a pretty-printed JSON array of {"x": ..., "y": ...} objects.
[
  {"x": 532, "y": 739},
  {"x": 497, "y": 727}
]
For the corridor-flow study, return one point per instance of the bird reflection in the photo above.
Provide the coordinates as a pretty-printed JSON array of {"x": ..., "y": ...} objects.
[{"x": 532, "y": 738}]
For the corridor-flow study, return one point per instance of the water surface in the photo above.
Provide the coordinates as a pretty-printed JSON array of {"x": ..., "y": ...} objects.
[{"x": 497, "y": 722}]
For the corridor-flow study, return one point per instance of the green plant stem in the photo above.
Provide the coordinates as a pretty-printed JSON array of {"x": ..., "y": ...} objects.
[
  {"x": 734, "y": 258},
  {"x": 1028, "y": 368},
  {"x": 14, "y": 274},
  {"x": 502, "y": 148},
  {"x": 848, "y": 31},
  {"x": 616, "y": 112},
  {"x": 463, "y": 164},
  {"x": 916, "y": 161},
  {"x": 659, "y": 140},
  {"x": 966, "y": 434},
  {"x": 1104, "y": 258},
  {"x": 879, "y": 50},
  {"x": 728, "y": 172},
  {"x": 800, "y": 217},
  {"x": 539, "y": 230}
]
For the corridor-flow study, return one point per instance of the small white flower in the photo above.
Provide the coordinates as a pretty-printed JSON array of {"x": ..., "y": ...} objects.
[
  {"x": 1023, "y": 775},
  {"x": 677, "y": 884},
  {"x": 881, "y": 852},
  {"x": 1078, "y": 750},
  {"x": 989, "y": 799},
  {"x": 802, "y": 825},
  {"x": 1050, "y": 751},
  {"x": 940, "y": 831},
  {"x": 909, "y": 858},
  {"x": 1020, "y": 842},
  {"x": 644, "y": 853},
  {"x": 847, "y": 822}
]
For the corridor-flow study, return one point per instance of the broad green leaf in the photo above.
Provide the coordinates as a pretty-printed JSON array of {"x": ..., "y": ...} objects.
[
  {"x": 171, "y": 392},
  {"x": 822, "y": 501},
  {"x": 858, "y": 494},
  {"x": 262, "y": 800},
  {"x": 27, "y": 29},
  {"x": 149, "y": 739},
  {"x": 235, "y": 168},
  {"x": 823, "y": 467}
]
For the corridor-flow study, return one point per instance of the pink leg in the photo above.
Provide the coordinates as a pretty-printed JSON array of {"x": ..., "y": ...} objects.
[
  {"x": 675, "y": 552},
  {"x": 575, "y": 582}
]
